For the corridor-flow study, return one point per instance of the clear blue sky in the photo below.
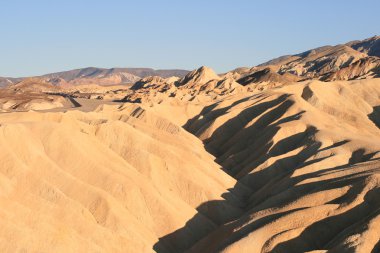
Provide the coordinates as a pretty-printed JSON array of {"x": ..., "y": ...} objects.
[{"x": 42, "y": 36}]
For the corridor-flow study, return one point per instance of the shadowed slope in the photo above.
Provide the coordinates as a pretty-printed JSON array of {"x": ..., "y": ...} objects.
[{"x": 309, "y": 154}]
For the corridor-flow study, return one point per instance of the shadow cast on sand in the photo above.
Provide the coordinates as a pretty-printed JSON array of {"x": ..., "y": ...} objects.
[
  {"x": 273, "y": 186},
  {"x": 375, "y": 116},
  {"x": 315, "y": 237}
]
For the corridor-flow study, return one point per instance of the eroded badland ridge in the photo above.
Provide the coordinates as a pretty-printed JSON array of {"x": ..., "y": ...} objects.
[{"x": 280, "y": 157}]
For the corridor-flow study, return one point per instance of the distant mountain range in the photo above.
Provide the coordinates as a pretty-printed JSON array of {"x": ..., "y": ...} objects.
[
  {"x": 4, "y": 81},
  {"x": 354, "y": 60},
  {"x": 101, "y": 76},
  {"x": 358, "y": 59}
]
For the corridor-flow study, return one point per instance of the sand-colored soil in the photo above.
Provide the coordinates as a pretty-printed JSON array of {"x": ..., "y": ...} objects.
[
  {"x": 279, "y": 157},
  {"x": 294, "y": 169}
]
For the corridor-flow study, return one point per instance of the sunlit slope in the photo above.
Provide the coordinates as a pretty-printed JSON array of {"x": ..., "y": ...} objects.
[{"x": 113, "y": 180}]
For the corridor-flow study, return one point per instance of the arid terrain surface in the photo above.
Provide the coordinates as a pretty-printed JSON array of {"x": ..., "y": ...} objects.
[{"x": 279, "y": 157}]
